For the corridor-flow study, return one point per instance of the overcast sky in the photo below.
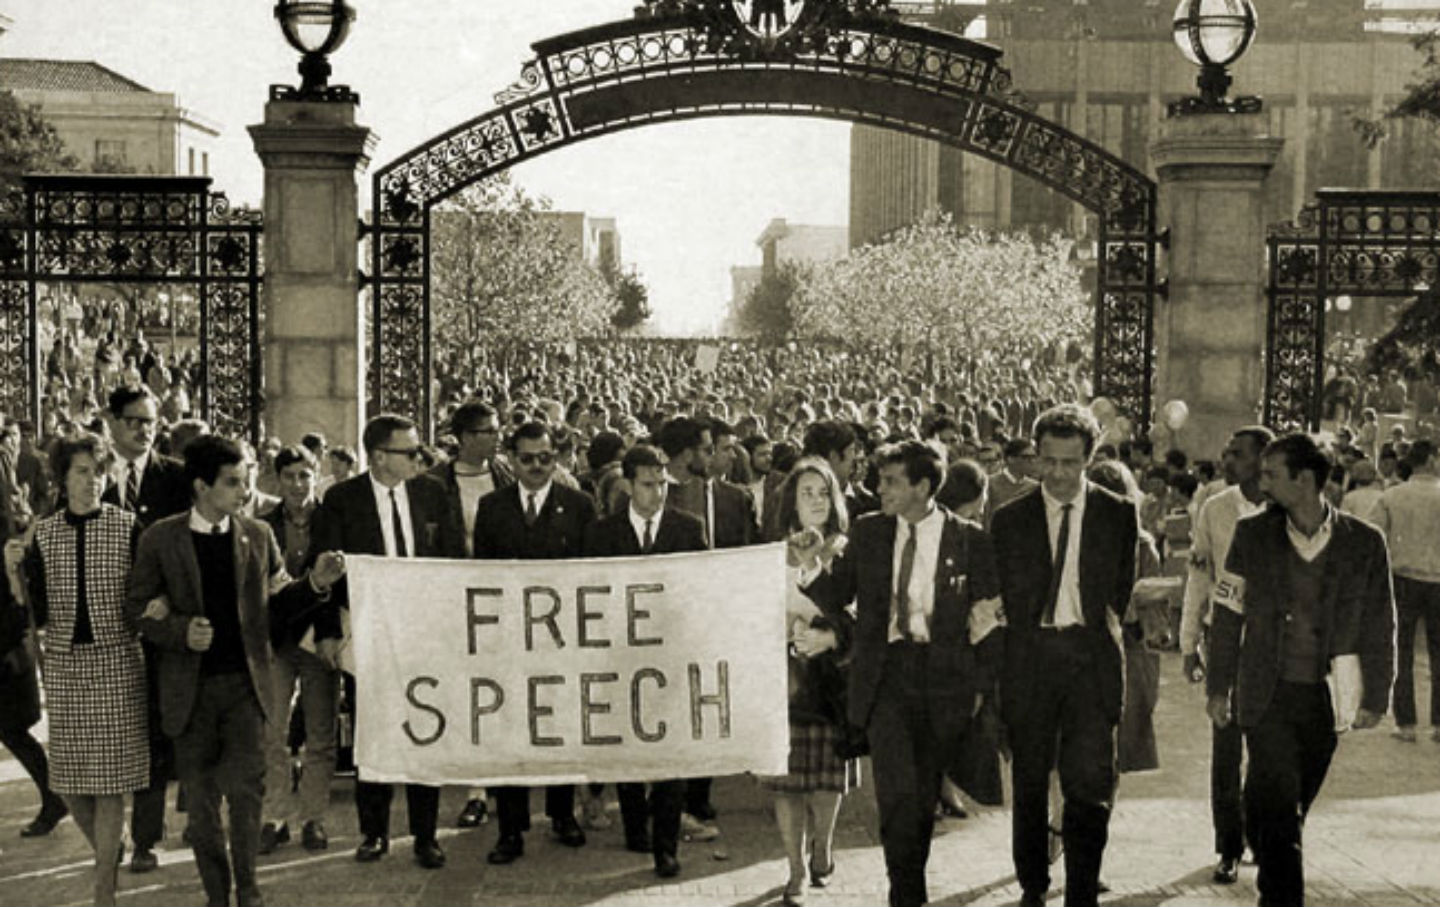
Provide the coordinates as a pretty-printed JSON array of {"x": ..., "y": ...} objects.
[{"x": 690, "y": 198}]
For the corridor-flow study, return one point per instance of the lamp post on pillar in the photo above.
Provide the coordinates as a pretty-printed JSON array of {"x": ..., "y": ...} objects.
[
  {"x": 312, "y": 151},
  {"x": 1213, "y": 155}
]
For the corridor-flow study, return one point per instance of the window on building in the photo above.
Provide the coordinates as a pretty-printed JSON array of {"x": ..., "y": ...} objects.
[
  {"x": 191, "y": 171},
  {"x": 204, "y": 163},
  {"x": 109, "y": 152}
]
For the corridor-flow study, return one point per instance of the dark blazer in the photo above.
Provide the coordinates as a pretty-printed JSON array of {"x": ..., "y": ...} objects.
[
  {"x": 613, "y": 536},
  {"x": 734, "y": 510},
  {"x": 558, "y": 533},
  {"x": 347, "y": 520},
  {"x": 1357, "y": 612},
  {"x": 1107, "y": 574},
  {"x": 163, "y": 491},
  {"x": 19, "y": 691},
  {"x": 165, "y": 564},
  {"x": 864, "y": 574}
]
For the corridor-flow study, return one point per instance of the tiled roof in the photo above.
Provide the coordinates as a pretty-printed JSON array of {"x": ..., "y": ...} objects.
[{"x": 62, "y": 75}]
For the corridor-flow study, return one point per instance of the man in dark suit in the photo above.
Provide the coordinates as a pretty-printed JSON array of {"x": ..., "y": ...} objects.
[
  {"x": 153, "y": 487},
  {"x": 1066, "y": 553},
  {"x": 728, "y": 515},
  {"x": 647, "y": 526},
  {"x": 393, "y": 511},
  {"x": 535, "y": 519},
  {"x": 207, "y": 588},
  {"x": 923, "y": 581},
  {"x": 1304, "y": 596}
]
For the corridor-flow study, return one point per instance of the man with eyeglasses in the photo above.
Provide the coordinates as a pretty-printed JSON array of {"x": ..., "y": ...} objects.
[
  {"x": 151, "y": 486},
  {"x": 394, "y": 511},
  {"x": 537, "y": 518},
  {"x": 473, "y": 474}
]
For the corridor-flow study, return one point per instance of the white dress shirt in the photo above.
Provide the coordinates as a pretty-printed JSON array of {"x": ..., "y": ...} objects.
[
  {"x": 120, "y": 472},
  {"x": 540, "y": 497},
  {"x": 922, "y": 574},
  {"x": 637, "y": 522},
  {"x": 203, "y": 526},
  {"x": 387, "y": 522},
  {"x": 1068, "y": 610},
  {"x": 1310, "y": 547}
]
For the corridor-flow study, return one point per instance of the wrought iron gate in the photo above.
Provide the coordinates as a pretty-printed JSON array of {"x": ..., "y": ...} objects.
[
  {"x": 1375, "y": 243},
  {"x": 136, "y": 230}
]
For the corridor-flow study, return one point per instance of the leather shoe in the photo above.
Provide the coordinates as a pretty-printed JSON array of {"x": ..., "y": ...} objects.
[
  {"x": 372, "y": 848},
  {"x": 313, "y": 836},
  {"x": 568, "y": 832},
  {"x": 429, "y": 855},
  {"x": 705, "y": 812},
  {"x": 639, "y": 844},
  {"x": 507, "y": 850},
  {"x": 143, "y": 860},
  {"x": 475, "y": 814},
  {"x": 666, "y": 866},
  {"x": 45, "y": 823},
  {"x": 1226, "y": 871},
  {"x": 272, "y": 836},
  {"x": 1032, "y": 899}
]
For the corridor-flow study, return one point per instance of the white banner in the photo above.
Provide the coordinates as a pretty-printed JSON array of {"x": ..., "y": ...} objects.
[{"x": 621, "y": 669}]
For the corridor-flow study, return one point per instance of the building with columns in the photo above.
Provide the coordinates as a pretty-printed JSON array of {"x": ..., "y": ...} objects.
[{"x": 1106, "y": 69}]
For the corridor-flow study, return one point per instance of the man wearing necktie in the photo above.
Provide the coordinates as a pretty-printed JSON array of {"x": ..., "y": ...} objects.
[
  {"x": 925, "y": 589},
  {"x": 152, "y": 487},
  {"x": 1066, "y": 554},
  {"x": 728, "y": 514},
  {"x": 390, "y": 510},
  {"x": 535, "y": 519},
  {"x": 647, "y": 526}
]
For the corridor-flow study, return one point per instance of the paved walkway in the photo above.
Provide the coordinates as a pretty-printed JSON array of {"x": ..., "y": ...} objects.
[{"x": 1373, "y": 838}]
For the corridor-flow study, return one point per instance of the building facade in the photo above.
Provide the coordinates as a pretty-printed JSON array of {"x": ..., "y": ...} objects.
[
  {"x": 1106, "y": 69},
  {"x": 111, "y": 123}
]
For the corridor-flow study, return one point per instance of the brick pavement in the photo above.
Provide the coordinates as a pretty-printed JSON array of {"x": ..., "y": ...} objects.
[{"x": 1373, "y": 839}]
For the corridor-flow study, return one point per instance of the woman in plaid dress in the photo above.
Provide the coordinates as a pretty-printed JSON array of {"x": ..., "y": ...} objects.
[
  {"x": 807, "y": 798},
  {"x": 76, "y": 570}
]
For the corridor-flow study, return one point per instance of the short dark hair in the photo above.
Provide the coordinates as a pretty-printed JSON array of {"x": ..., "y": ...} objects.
[
  {"x": 123, "y": 396},
  {"x": 1176, "y": 459},
  {"x": 343, "y": 453},
  {"x": 921, "y": 461},
  {"x": 1068, "y": 420},
  {"x": 1019, "y": 447},
  {"x": 783, "y": 456},
  {"x": 66, "y": 450},
  {"x": 681, "y": 434},
  {"x": 639, "y": 457},
  {"x": 1302, "y": 454},
  {"x": 1420, "y": 453},
  {"x": 719, "y": 428},
  {"x": 604, "y": 448},
  {"x": 313, "y": 441},
  {"x": 941, "y": 423},
  {"x": 470, "y": 414},
  {"x": 827, "y": 438},
  {"x": 965, "y": 483},
  {"x": 532, "y": 431},
  {"x": 291, "y": 454},
  {"x": 207, "y": 455},
  {"x": 379, "y": 429}
]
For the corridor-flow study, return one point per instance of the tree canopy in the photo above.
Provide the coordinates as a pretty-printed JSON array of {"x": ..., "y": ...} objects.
[{"x": 28, "y": 142}]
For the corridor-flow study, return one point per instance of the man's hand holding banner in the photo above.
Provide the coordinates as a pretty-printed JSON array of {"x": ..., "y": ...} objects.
[{"x": 621, "y": 669}]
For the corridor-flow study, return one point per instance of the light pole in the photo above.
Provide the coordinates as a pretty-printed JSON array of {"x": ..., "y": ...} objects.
[
  {"x": 315, "y": 28},
  {"x": 1213, "y": 34}
]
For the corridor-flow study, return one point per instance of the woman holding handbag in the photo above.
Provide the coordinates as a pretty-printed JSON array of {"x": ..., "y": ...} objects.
[{"x": 807, "y": 797}]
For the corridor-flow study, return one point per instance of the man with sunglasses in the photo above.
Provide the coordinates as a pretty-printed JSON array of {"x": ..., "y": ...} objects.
[
  {"x": 394, "y": 511},
  {"x": 535, "y": 519},
  {"x": 151, "y": 486}
]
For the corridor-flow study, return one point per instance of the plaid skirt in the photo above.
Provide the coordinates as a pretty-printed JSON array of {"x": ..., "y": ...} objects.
[
  {"x": 99, "y": 732},
  {"x": 813, "y": 765}
]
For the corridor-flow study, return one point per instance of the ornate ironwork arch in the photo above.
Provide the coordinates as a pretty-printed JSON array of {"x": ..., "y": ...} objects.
[
  {"x": 861, "y": 67},
  {"x": 135, "y": 230},
  {"x": 1378, "y": 243}
]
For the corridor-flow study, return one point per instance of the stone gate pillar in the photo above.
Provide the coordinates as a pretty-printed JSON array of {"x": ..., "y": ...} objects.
[
  {"x": 1210, "y": 333},
  {"x": 314, "y": 326}
]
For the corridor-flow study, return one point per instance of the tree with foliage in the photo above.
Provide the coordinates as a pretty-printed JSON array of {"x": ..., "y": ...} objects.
[
  {"x": 766, "y": 310},
  {"x": 28, "y": 143},
  {"x": 932, "y": 285},
  {"x": 503, "y": 276},
  {"x": 632, "y": 298},
  {"x": 1421, "y": 100},
  {"x": 1413, "y": 344}
]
